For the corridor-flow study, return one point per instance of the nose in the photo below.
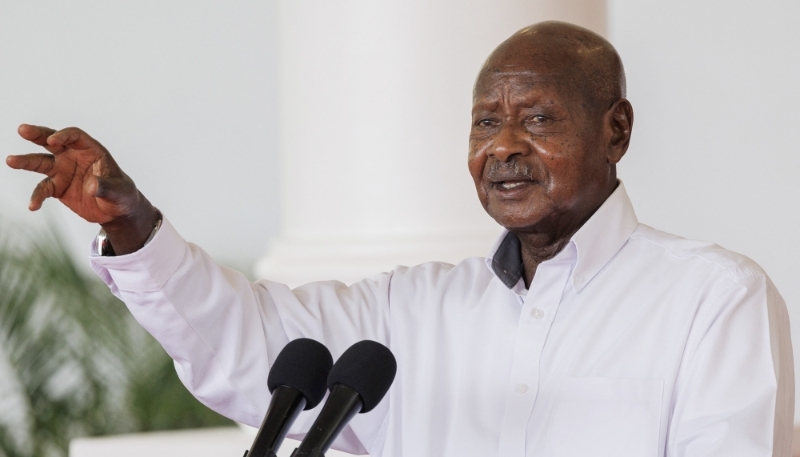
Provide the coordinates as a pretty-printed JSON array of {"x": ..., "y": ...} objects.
[{"x": 510, "y": 140}]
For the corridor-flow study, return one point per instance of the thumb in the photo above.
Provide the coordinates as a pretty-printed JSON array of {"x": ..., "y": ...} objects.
[{"x": 118, "y": 191}]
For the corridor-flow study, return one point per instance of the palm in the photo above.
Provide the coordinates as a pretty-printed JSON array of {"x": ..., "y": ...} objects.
[{"x": 73, "y": 176}]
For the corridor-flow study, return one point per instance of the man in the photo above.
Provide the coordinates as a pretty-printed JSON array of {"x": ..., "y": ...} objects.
[{"x": 582, "y": 333}]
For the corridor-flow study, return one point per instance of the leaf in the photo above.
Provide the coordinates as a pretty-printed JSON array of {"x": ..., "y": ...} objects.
[{"x": 73, "y": 362}]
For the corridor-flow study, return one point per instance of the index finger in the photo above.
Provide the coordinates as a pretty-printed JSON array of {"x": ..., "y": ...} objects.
[{"x": 37, "y": 135}]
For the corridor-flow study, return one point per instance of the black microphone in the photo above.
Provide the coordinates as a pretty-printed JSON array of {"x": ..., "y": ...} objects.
[
  {"x": 296, "y": 382},
  {"x": 358, "y": 381}
]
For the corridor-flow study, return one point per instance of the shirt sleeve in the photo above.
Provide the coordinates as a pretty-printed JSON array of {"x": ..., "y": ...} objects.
[
  {"x": 735, "y": 393},
  {"x": 224, "y": 332}
]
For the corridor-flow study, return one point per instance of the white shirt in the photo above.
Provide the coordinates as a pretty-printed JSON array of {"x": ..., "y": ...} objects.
[{"x": 630, "y": 342}]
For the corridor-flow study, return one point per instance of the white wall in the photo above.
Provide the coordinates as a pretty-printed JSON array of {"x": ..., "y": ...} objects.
[
  {"x": 375, "y": 116},
  {"x": 181, "y": 92},
  {"x": 715, "y": 154}
]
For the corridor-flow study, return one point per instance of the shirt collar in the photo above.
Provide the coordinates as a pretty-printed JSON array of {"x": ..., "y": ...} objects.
[{"x": 596, "y": 242}]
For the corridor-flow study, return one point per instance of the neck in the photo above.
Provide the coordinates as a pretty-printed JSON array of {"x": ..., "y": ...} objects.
[
  {"x": 537, "y": 246},
  {"x": 535, "y": 252}
]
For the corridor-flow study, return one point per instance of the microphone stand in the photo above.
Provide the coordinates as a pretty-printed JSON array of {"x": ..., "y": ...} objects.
[
  {"x": 269, "y": 454},
  {"x": 286, "y": 405},
  {"x": 342, "y": 405}
]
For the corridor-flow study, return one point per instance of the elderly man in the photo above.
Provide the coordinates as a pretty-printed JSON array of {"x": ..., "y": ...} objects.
[{"x": 582, "y": 333}]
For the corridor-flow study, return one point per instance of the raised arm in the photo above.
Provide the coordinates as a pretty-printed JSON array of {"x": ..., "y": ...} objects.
[
  {"x": 222, "y": 331},
  {"x": 81, "y": 173}
]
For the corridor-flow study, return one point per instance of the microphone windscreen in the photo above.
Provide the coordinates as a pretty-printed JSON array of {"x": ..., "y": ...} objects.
[
  {"x": 368, "y": 368},
  {"x": 303, "y": 364}
]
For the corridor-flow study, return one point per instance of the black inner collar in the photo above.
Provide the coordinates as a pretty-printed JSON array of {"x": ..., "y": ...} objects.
[{"x": 507, "y": 261}]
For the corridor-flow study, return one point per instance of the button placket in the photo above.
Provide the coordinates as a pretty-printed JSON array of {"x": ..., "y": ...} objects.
[{"x": 537, "y": 314}]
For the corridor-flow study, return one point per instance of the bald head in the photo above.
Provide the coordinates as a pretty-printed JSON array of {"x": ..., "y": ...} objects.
[{"x": 581, "y": 60}]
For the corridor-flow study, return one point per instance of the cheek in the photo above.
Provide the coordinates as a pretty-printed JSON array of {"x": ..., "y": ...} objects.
[
  {"x": 574, "y": 181},
  {"x": 565, "y": 183},
  {"x": 556, "y": 148},
  {"x": 476, "y": 161},
  {"x": 570, "y": 165},
  {"x": 475, "y": 167},
  {"x": 476, "y": 164}
]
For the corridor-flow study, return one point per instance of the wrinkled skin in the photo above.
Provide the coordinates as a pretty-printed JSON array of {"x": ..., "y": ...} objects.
[{"x": 549, "y": 124}]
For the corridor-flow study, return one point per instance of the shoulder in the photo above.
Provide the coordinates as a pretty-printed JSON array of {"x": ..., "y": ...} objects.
[
  {"x": 696, "y": 256},
  {"x": 433, "y": 272},
  {"x": 707, "y": 284},
  {"x": 465, "y": 277}
]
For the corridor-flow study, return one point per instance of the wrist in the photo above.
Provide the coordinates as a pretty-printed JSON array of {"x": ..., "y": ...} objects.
[{"x": 129, "y": 233}]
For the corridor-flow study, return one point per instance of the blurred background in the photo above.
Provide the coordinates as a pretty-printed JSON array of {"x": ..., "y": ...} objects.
[{"x": 302, "y": 140}]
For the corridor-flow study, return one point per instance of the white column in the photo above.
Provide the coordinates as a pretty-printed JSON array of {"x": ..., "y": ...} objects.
[{"x": 375, "y": 115}]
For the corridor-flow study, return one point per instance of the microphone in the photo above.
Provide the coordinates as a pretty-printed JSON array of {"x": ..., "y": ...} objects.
[
  {"x": 358, "y": 381},
  {"x": 296, "y": 382}
]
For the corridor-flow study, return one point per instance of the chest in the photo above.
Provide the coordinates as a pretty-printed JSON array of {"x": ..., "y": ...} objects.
[{"x": 501, "y": 375}]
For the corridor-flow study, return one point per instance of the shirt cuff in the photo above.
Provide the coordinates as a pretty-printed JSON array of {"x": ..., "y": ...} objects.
[{"x": 146, "y": 269}]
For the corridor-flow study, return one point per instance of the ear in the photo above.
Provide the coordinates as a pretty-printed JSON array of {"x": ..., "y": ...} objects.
[{"x": 619, "y": 121}]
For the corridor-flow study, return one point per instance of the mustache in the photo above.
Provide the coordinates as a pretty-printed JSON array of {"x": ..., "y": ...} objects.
[{"x": 509, "y": 170}]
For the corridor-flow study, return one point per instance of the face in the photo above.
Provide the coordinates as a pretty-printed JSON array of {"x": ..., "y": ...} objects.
[{"x": 537, "y": 153}]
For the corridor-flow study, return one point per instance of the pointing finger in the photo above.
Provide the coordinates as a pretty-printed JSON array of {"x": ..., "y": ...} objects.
[
  {"x": 37, "y": 135},
  {"x": 45, "y": 189},
  {"x": 39, "y": 163}
]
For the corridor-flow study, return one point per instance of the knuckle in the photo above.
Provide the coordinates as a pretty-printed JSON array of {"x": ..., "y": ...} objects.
[{"x": 73, "y": 132}]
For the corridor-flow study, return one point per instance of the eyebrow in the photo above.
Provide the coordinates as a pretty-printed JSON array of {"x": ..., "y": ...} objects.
[{"x": 490, "y": 103}]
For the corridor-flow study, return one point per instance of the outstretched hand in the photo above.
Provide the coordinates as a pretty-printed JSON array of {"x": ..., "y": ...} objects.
[{"x": 81, "y": 173}]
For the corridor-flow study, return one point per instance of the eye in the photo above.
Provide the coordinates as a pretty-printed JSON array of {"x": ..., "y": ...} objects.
[
  {"x": 538, "y": 119},
  {"x": 486, "y": 123}
]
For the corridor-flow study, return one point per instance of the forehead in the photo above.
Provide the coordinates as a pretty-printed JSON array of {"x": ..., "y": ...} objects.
[
  {"x": 491, "y": 80},
  {"x": 494, "y": 85},
  {"x": 525, "y": 69}
]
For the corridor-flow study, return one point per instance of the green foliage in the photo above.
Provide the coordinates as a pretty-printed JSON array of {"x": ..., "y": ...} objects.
[
  {"x": 158, "y": 401},
  {"x": 73, "y": 362}
]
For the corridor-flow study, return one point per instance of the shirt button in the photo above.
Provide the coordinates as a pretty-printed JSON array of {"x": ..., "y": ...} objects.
[
  {"x": 522, "y": 388},
  {"x": 538, "y": 313},
  {"x": 579, "y": 279}
]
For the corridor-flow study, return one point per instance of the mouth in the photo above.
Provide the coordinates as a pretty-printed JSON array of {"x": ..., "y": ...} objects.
[
  {"x": 510, "y": 188},
  {"x": 510, "y": 185},
  {"x": 509, "y": 180}
]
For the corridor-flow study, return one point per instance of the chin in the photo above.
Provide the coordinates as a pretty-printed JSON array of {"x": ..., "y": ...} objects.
[{"x": 516, "y": 222}]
